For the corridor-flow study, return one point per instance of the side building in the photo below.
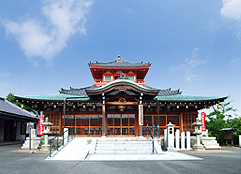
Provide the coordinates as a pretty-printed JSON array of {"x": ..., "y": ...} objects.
[
  {"x": 119, "y": 103},
  {"x": 13, "y": 121}
]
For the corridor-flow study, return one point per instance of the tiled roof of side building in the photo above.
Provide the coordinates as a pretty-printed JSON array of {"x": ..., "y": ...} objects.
[
  {"x": 10, "y": 108},
  {"x": 168, "y": 91},
  {"x": 78, "y": 91},
  {"x": 119, "y": 62}
]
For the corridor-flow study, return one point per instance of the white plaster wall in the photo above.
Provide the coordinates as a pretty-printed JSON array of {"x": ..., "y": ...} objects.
[
  {"x": 19, "y": 137},
  {"x": 1, "y": 129}
]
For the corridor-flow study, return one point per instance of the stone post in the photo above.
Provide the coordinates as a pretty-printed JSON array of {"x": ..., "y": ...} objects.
[
  {"x": 33, "y": 135},
  {"x": 66, "y": 134},
  {"x": 165, "y": 138},
  {"x": 183, "y": 141},
  {"x": 177, "y": 138},
  {"x": 188, "y": 140},
  {"x": 239, "y": 140}
]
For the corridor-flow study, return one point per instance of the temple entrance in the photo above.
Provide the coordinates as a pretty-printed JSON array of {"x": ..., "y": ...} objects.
[{"x": 120, "y": 124}]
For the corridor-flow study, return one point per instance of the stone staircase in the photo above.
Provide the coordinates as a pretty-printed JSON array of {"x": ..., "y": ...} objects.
[
  {"x": 122, "y": 146},
  {"x": 210, "y": 143}
]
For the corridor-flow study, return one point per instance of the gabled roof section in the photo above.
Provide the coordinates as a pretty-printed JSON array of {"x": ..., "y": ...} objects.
[
  {"x": 9, "y": 108},
  {"x": 123, "y": 82},
  {"x": 119, "y": 62}
]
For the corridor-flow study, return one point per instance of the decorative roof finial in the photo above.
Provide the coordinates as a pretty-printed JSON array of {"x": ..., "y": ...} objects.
[{"x": 119, "y": 59}]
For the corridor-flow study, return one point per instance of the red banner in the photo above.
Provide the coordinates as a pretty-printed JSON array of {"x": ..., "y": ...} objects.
[
  {"x": 40, "y": 126},
  {"x": 203, "y": 121}
]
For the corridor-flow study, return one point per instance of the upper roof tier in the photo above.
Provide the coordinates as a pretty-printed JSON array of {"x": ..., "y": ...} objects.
[
  {"x": 104, "y": 73},
  {"x": 119, "y": 62}
]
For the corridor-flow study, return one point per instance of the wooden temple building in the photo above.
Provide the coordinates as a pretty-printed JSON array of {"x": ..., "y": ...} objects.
[{"x": 119, "y": 103}]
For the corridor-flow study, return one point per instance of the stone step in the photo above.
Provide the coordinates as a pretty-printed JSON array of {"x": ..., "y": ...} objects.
[
  {"x": 123, "y": 152},
  {"x": 124, "y": 139},
  {"x": 123, "y": 148},
  {"x": 210, "y": 143},
  {"x": 123, "y": 145},
  {"x": 212, "y": 147},
  {"x": 123, "y": 142}
]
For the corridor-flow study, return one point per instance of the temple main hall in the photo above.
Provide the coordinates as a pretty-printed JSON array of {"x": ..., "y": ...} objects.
[{"x": 119, "y": 103}]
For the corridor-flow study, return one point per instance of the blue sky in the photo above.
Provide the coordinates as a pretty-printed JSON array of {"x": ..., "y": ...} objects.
[{"x": 193, "y": 45}]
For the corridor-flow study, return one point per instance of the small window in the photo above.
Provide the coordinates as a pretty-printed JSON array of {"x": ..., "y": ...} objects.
[
  {"x": 22, "y": 128},
  {"x": 107, "y": 78},
  {"x": 131, "y": 78}
]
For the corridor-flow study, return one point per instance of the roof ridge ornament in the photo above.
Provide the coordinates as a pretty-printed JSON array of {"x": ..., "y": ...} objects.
[
  {"x": 119, "y": 59},
  {"x": 122, "y": 76}
]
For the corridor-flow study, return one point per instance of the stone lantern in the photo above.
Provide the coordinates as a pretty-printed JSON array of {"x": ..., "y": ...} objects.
[
  {"x": 198, "y": 132},
  {"x": 46, "y": 133},
  {"x": 170, "y": 137}
]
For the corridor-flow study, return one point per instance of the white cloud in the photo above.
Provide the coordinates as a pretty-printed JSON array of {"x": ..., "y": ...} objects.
[
  {"x": 128, "y": 10},
  {"x": 234, "y": 62},
  {"x": 231, "y": 12},
  {"x": 231, "y": 9},
  {"x": 64, "y": 19},
  {"x": 4, "y": 74},
  {"x": 190, "y": 65}
]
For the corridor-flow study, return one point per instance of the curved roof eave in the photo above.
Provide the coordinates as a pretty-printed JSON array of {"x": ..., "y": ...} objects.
[
  {"x": 182, "y": 98},
  {"x": 122, "y": 82},
  {"x": 54, "y": 97}
]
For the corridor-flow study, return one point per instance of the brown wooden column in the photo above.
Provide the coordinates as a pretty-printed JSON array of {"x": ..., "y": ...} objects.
[{"x": 181, "y": 122}]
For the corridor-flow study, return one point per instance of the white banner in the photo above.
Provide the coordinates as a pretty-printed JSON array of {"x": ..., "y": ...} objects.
[{"x": 140, "y": 114}]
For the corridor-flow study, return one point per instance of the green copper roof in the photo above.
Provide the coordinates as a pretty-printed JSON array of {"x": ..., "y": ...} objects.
[
  {"x": 56, "y": 97},
  {"x": 180, "y": 97},
  {"x": 123, "y": 82},
  {"x": 168, "y": 98}
]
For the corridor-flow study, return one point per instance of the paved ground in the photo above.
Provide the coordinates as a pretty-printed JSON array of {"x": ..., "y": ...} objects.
[{"x": 24, "y": 163}]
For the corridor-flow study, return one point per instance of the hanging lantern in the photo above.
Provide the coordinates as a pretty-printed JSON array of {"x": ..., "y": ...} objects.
[{"x": 219, "y": 107}]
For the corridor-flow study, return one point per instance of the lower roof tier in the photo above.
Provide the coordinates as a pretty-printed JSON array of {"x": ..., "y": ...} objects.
[{"x": 167, "y": 99}]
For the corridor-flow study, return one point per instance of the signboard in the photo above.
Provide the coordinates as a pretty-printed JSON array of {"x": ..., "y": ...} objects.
[
  {"x": 203, "y": 121},
  {"x": 140, "y": 114},
  {"x": 30, "y": 126},
  {"x": 40, "y": 126}
]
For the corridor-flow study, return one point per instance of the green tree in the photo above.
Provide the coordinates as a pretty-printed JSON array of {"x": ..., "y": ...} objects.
[
  {"x": 218, "y": 119},
  {"x": 10, "y": 97}
]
